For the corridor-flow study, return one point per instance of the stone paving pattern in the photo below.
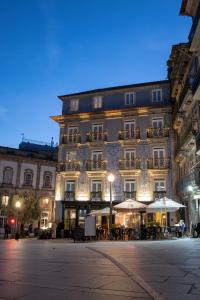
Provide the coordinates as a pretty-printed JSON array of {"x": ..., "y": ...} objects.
[{"x": 35, "y": 269}]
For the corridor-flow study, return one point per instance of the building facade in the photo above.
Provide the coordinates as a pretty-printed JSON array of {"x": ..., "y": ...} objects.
[
  {"x": 123, "y": 130},
  {"x": 28, "y": 172},
  {"x": 184, "y": 75}
]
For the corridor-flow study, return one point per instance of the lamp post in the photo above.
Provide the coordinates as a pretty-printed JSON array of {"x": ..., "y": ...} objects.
[
  {"x": 18, "y": 205},
  {"x": 111, "y": 179}
]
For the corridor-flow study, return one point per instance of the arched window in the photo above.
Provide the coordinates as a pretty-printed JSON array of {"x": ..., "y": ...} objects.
[
  {"x": 28, "y": 177},
  {"x": 7, "y": 175},
  {"x": 47, "y": 179}
]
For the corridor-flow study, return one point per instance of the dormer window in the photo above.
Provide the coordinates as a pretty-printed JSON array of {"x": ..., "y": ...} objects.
[
  {"x": 157, "y": 95},
  {"x": 130, "y": 98},
  {"x": 97, "y": 102},
  {"x": 74, "y": 104}
]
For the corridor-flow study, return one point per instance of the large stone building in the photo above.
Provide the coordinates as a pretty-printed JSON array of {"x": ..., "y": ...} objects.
[
  {"x": 125, "y": 130},
  {"x": 184, "y": 75},
  {"x": 28, "y": 172}
]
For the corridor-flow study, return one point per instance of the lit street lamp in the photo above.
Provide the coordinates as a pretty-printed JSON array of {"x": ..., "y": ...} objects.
[
  {"x": 18, "y": 205},
  {"x": 111, "y": 179}
]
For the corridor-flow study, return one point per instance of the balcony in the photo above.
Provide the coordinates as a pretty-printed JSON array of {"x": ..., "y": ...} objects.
[
  {"x": 129, "y": 164},
  {"x": 160, "y": 163},
  {"x": 71, "y": 139},
  {"x": 198, "y": 144},
  {"x": 197, "y": 175},
  {"x": 159, "y": 194},
  {"x": 129, "y": 195},
  {"x": 194, "y": 25},
  {"x": 96, "y": 137},
  {"x": 96, "y": 196},
  {"x": 69, "y": 196},
  {"x": 157, "y": 132},
  {"x": 69, "y": 166},
  {"x": 95, "y": 165},
  {"x": 128, "y": 135}
]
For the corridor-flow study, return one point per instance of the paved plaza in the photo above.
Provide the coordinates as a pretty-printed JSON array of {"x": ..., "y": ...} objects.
[{"x": 60, "y": 269}]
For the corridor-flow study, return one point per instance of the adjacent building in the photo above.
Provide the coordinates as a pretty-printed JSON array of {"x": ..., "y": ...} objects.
[
  {"x": 126, "y": 130},
  {"x": 29, "y": 170},
  {"x": 184, "y": 75}
]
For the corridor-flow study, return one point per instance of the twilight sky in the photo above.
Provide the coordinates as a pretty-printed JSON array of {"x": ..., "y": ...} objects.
[{"x": 52, "y": 47}]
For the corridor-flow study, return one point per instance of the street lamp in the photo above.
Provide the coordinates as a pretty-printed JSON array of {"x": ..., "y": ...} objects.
[
  {"x": 111, "y": 179},
  {"x": 18, "y": 205}
]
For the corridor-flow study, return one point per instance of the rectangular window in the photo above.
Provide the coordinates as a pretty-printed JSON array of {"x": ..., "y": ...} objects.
[
  {"x": 159, "y": 185},
  {"x": 96, "y": 186},
  {"x": 72, "y": 134},
  {"x": 96, "y": 190},
  {"x": 158, "y": 157},
  {"x": 74, "y": 104},
  {"x": 70, "y": 156},
  {"x": 97, "y": 102},
  {"x": 44, "y": 220},
  {"x": 97, "y": 132},
  {"x": 5, "y": 200},
  {"x": 129, "y": 129},
  {"x": 70, "y": 186},
  {"x": 129, "y": 185},
  {"x": 157, "y": 123},
  {"x": 97, "y": 155},
  {"x": 130, "y": 98},
  {"x": 157, "y": 95}
]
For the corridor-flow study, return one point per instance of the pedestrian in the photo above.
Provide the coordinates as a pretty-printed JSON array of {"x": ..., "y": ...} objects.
[
  {"x": 6, "y": 231},
  {"x": 198, "y": 230},
  {"x": 181, "y": 228},
  {"x": 54, "y": 229}
]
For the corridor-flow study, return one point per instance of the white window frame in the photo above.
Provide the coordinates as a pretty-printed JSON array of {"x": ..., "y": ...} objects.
[
  {"x": 160, "y": 182},
  {"x": 130, "y": 151},
  {"x": 97, "y": 152},
  {"x": 70, "y": 156},
  {"x": 5, "y": 200},
  {"x": 70, "y": 183},
  {"x": 154, "y": 94},
  {"x": 97, "y": 102},
  {"x": 97, "y": 181},
  {"x": 74, "y": 104},
  {"x": 130, "y": 181},
  {"x": 45, "y": 217},
  {"x": 128, "y": 100},
  {"x": 157, "y": 120}
]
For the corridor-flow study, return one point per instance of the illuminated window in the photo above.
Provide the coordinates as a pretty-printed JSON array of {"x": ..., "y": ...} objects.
[
  {"x": 4, "y": 200},
  {"x": 74, "y": 104},
  {"x": 28, "y": 177},
  {"x": 157, "y": 95},
  {"x": 7, "y": 175},
  {"x": 44, "y": 220},
  {"x": 97, "y": 102},
  {"x": 130, "y": 98}
]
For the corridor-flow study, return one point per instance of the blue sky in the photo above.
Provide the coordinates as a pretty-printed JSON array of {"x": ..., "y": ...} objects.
[{"x": 52, "y": 47}]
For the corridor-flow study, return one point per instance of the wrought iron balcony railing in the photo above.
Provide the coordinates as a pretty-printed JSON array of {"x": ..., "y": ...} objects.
[
  {"x": 96, "y": 137},
  {"x": 159, "y": 194},
  {"x": 71, "y": 138},
  {"x": 96, "y": 196},
  {"x": 69, "y": 166},
  {"x": 95, "y": 165},
  {"x": 196, "y": 82},
  {"x": 159, "y": 163},
  {"x": 129, "y": 195},
  {"x": 69, "y": 196},
  {"x": 198, "y": 143},
  {"x": 128, "y": 164},
  {"x": 157, "y": 132},
  {"x": 129, "y": 134}
]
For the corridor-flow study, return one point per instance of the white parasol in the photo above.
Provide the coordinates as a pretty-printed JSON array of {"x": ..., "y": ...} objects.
[
  {"x": 103, "y": 212},
  {"x": 166, "y": 204},
  {"x": 130, "y": 204}
]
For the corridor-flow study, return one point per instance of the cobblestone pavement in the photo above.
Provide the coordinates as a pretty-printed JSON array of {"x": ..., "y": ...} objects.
[{"x": 35, "y": 269}]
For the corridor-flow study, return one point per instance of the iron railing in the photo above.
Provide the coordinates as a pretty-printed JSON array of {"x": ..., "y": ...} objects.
[
  {"x": 96, "y": 196},
  {"x": 159, "y": 163},
  {"x": 95, "y": 165},
  {"x": 71, "y": 138},
  {"x": 69, "y": 196},
  {"x": 128, "y": 164},
  {"x": 69, "y": 166},
  {"x": 157, "y": 132},
  {"x": 96, "y": 137},
  {"x": 129, "y": 134}
]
